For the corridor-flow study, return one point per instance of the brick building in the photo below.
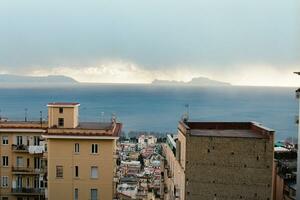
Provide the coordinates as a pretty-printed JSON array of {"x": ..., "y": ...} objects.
[{"x": 219, "y": 161}]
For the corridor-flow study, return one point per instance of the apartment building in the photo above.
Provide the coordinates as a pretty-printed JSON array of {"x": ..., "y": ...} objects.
[
  {"x": 58, "y": 159},
  {"x": 219, "y": 161},
  {"x": 23, "y": 165}
]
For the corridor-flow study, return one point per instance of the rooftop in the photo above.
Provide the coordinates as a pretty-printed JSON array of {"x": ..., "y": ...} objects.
[
  {"x": 84, "y": 128},
  {"x": 63, "y": 104},
  {"x": 226, "y": 129},
  {"x": 23, "y": 124},
  {"x": 88, "y": 129}
]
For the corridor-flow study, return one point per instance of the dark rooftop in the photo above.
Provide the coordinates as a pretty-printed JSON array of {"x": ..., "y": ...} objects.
[{"x": 226, "y": 129}]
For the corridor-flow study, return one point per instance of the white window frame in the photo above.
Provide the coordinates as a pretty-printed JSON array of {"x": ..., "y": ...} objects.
[
  {"x": 76, "y": 168},
  {"x": 96, "y": 175},
  {"x": 19, "y": 139},
  {"x": 76, "y": 148},
  {"x": 76, "y": 194},
  {"x": 95, "y": 148},
  {"x": 4, "y": 140},
  {"x": 36, "y": 140},
  {"x": 4, "y": 161},
  {"x": 57, "y": 168},
  {"x": 19, "y": 161},
  {"x": 94, "y": 189},
  {"x": 4, "y": 179}
]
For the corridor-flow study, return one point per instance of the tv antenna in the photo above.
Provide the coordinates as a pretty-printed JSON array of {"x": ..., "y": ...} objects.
[
  {"x": 41, "y": 118},
  {"x": 25, "y": 110},
  {"x": 113, "y": 118},
  {"x": 187, "y": 112},
  {"x": 102, "y": 116}
]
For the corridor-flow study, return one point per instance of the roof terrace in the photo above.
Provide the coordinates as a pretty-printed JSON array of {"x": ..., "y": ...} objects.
[{"x": 225, "y": 129}]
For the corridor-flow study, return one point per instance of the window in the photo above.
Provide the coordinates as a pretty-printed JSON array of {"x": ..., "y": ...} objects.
[
  {"x": 61, "y": 110},
  {"x": 94, "y": 172},
  {"x": 36, "y": 140},
  {"x": 4, "y": 160},
  {"x": 19, "y": 161},
  {"x": 27, "y": 182},
  {"x": 19, "y": 181},
  {"x": 76, "y": 194},
  {"x": 94, "y": 194},
  {"x": 4, "y": 181},
  {"x": 76, "y": 148},
  {"x": 94, "y": 148},
  {"x": 61, "y": 122},
  {"x": 37, "y": 162},
  {"x": 19, "y": 140},
  {"x": 36, "y": 182},
  {"x": 76, "y": 171},
  {"x": 59, "y": 171},
  {"x": 4, "y": 140}
]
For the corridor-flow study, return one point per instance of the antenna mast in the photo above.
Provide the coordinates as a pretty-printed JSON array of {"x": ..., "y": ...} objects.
[
  {"x": 41, "y": 118},
  {"x": 102, "y": 116},
  {"x": 187, "y": 113},
  {"x": 25, "y": 114}
]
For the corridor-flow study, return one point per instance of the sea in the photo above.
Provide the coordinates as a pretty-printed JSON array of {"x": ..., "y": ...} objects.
[{"x": 153, "y": 108}]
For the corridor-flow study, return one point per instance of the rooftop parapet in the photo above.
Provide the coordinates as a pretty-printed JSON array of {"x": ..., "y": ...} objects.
[
  {"x": 225, "y": 129},
  {"x": 90, "y": 129}
]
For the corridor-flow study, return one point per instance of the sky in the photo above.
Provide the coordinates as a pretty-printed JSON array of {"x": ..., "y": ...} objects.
[{"x": 244, "y": 42}]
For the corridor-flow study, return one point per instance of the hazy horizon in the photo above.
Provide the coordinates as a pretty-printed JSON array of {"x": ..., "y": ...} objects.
[{"x": 253, "y": 43}]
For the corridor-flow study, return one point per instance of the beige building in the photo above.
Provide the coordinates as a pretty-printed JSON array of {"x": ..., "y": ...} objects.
[
  {"x": 219, "y": 161},
  {"x": 60, "y": 159}
]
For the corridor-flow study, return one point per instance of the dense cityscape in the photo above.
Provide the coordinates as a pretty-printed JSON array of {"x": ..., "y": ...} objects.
[{"x": 92, "y": 160}]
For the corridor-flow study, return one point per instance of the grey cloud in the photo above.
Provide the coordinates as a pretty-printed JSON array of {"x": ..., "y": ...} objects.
[{"x": 150, "y": 33}]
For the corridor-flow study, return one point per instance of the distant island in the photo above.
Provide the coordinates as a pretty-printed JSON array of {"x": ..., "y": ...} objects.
[
  {"x": 10, "y": 80},
  {"x": 18, "y": 80},
  {"x": 199, "y": 81}
]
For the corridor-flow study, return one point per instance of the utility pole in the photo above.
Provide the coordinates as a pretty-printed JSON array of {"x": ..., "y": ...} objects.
[{"x": 298, "y": 151}]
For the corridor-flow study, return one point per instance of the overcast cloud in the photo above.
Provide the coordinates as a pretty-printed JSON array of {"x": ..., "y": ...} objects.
[{"x": 240, "y": 41}]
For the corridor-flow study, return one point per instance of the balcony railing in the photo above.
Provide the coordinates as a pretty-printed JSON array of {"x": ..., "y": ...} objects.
[
  {"x": 26, "y": 170},
  {"x": 19, "y": 148},
  {"x": 27, "y": 191}
]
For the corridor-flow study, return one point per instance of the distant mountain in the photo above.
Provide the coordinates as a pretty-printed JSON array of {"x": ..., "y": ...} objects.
[
  {"x": 17, "y": 80},
  {"x": 199, "y": 81}
]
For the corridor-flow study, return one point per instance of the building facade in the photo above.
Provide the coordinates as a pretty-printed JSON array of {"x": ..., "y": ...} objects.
[
  {"x": 222, "y": 161},
  {"x": 59, "y": 159}
]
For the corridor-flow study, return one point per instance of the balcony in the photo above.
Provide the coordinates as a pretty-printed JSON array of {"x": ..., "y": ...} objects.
[
  {"x": 28, "y": 191},
  {"x": 28, "y": 171},
  {"x": 21, "y": 148}
]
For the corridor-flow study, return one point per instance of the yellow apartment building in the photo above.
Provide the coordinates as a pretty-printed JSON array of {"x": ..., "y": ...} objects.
[{"x": 59, "y": 159}]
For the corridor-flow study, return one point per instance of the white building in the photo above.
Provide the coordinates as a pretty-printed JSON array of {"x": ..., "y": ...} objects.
[
  {"x": 128, "y": 190},
  {"x": 146, "y": 140}
]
